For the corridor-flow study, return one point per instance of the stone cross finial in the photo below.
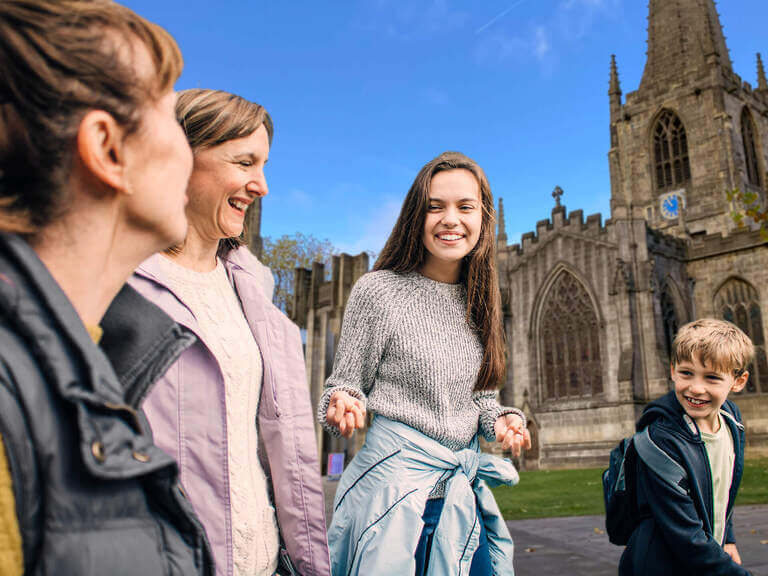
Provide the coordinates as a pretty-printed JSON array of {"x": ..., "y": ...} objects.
[{"x": 556, "y": 193}]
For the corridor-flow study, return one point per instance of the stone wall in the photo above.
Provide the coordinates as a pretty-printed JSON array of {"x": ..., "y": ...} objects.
[{"x": 713, "y": 260}]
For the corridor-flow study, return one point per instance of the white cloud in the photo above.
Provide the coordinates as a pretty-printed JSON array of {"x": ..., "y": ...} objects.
[
  {"x": 541, "y": 42},
  {"x": 299, "y": 198},
  {"x": 511, "y": 41},
  {"x": 372, "y": 230},
  {"x": 408, "y": 20}
]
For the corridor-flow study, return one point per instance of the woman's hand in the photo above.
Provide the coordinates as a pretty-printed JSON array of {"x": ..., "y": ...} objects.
[
  {"x": 511, "y": 434},
  {"x": 345, "y": 413},
  {"x": 732, "y": 552}
]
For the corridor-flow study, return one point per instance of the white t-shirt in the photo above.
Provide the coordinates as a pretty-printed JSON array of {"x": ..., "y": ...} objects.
[{"x": 721, "y": 455}]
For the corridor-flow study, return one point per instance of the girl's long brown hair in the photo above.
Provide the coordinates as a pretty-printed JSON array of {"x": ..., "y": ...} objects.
[{"x": 405, "y": 252}]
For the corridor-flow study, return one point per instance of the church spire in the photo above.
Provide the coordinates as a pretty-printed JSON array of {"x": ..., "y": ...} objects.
[
  {"x": 614, "y": 90},
  {"x": 501, "y": 237},
  {"x": 684, "y": 38},
  {"x": 762, "y": 84}
]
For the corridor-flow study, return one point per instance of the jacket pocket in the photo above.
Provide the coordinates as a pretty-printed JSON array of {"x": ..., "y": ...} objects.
[
  {"x": 269, "y": 403},
  {"x": 128, "y": 548}
]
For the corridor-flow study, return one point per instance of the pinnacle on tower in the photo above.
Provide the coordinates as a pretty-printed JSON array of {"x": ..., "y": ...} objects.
[
  {"x": 615, "y": 86},
  {"x": 762, "y": 83},
  {"x": 501, "y": 237},
  {"x": 614, "y": 90}
]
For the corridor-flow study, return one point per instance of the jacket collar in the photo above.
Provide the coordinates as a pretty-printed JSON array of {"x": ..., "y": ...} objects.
[
  {"x": 250, "y": 278},
  {"x": 142, "y": 350},
  {"x": 43, "y": 314},
  {"x": 668, "y": 408}
]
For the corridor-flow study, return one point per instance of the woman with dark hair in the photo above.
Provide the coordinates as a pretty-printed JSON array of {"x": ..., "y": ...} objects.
[
  {"x": 93, "y": 175},
  {"x": 234, "y": 410},
  {"x": 422, "y": 347}
]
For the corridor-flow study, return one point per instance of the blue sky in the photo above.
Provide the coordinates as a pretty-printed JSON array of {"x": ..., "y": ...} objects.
[{"x": 364, "y": 93}]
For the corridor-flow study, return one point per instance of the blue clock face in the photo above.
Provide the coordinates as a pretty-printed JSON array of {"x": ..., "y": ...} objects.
[{"x": 670, "y": 206}]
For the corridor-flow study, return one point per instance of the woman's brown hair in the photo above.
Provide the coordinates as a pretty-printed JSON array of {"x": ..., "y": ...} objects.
[
  {"x": 405, "y": 252},
  {"x": 212, "y": 117},
  {"x": 60, "y": 59}
]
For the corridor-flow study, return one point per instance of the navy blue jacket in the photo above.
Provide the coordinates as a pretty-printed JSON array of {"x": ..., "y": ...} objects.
[{"x": 674, "y": 536}]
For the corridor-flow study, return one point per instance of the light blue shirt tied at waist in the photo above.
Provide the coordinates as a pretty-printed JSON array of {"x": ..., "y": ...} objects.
[{"x": 382, "y": 495}]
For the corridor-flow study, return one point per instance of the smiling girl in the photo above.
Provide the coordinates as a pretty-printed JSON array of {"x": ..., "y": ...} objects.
[{"x": 422, "y": 348}]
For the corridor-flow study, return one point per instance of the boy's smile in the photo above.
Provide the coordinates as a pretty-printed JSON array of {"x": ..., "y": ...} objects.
[{"x": 701, "y": 391}]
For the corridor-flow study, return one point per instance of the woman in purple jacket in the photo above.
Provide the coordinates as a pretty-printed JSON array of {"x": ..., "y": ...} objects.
[{"x": 234, "y": 410}]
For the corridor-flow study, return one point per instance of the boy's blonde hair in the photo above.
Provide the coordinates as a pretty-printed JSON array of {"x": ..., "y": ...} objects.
[{"x": 716, "y": 343}]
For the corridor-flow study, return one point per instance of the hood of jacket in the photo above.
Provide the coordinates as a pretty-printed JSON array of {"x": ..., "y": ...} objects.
[{"x": 33, "y": 301}]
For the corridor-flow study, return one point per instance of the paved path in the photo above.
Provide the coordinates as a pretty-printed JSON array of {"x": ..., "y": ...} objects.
[{"x": 577, "y": 546}]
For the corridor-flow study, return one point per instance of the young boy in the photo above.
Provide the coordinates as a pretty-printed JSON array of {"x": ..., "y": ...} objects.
[{"x": 688, "y": 529}]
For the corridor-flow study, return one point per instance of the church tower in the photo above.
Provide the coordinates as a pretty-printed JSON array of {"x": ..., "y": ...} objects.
[{"x": 692, "y": 131}]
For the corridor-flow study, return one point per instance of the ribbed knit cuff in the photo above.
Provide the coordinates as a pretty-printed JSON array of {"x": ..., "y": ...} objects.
[
  {"x": 325, "y": 400},
  {"x": 488, "y": 420}
]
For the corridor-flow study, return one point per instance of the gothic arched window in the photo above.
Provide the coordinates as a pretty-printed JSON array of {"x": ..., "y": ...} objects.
[
  {"x": 737, "y": 301},
  {"x": 669, "y": 319},
  {"x": 670, "y": 152},
  {"x": 569, "y": 341},
  {"x": 751, "y": 154}
]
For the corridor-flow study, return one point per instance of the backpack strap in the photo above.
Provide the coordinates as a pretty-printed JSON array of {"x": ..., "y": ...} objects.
[{"x": 660, "y": 462}]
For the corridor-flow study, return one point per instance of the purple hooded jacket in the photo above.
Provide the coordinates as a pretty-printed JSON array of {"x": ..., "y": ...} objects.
[{"x": 186, "y": 410}]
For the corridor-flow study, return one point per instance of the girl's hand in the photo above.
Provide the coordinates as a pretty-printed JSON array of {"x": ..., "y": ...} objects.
[
  {"x": 511, "y": 434},
  {"x": 345, "y": 413},
  {"x": 732, "y": 552}
]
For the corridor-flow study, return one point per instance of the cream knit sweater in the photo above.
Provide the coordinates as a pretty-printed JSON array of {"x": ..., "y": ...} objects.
[{"x": 224, "y": 330}]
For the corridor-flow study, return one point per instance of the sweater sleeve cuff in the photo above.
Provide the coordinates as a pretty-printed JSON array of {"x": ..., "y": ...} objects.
[
  {"x": 488, "y": 420},
  {"x": 325, "y": 400}
]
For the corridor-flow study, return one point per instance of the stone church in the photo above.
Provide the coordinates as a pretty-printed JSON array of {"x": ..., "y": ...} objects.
[{"x": 592, "y": 306}]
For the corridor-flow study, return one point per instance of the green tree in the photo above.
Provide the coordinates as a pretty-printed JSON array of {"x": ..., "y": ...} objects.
[
  {"x": 288, "y": 252},
  {"x": 747, "y": 205}
]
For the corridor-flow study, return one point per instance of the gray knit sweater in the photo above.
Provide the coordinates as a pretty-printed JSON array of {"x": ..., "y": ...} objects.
[{"x": 407, "y": 351}]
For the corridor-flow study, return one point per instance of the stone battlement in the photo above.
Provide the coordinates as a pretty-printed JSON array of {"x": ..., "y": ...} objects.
[
  {"x": 560, "y": 220},
  {"x": 709, "y": 245},
  {"x": 313, "y": 290}
]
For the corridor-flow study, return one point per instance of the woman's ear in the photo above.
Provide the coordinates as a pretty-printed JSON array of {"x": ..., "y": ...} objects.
[{"x": 100, "y": 145}]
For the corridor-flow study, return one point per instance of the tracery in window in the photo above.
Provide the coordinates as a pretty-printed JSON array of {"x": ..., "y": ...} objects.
[
  {"x": 569, "y": 341},
  {"x": 669, "y": 319},
  {"x": 737, "y": 301},
  {"x": 670, "y": 152}
]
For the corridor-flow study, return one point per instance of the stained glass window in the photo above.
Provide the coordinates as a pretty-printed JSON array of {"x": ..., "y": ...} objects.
[
  {"x": 737, "y": 301},
  {"x": 670, "y": 152},
  {"x": 569, "y": 341}
]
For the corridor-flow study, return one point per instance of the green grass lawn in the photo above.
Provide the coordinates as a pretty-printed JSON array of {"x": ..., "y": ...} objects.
[{"x": 548, "y": 493}]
